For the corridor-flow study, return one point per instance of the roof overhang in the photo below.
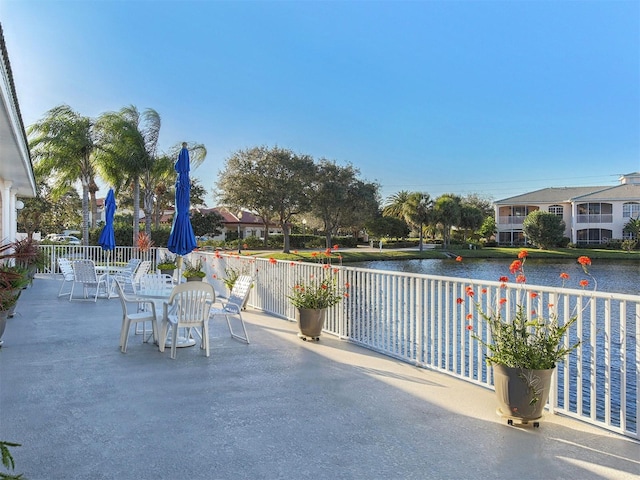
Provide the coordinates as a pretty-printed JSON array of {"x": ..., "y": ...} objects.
[{"x": 15, "y": 159}]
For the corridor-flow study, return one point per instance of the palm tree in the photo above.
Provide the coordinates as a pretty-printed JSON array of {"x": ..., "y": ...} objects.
[
  {"x": 127, "y": 150},
  {"x": 395, "y": 205},
  {"x": 63, "y": 145},
  {"x": 418, "y": 212},
  {"x": 447, "y": 212}
]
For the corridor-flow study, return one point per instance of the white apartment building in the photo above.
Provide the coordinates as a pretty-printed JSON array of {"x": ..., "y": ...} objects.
[{"x": 592, "y": 215}]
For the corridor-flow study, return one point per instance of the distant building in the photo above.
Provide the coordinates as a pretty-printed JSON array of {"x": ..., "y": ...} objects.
[
  {"x": 16, "y": 169},
  {"x": 247, "y": 223},
  {"x": 592, "y": 215}
]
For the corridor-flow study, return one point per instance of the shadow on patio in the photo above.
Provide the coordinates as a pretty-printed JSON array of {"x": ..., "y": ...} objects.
[{"x": 277, "y": 408}]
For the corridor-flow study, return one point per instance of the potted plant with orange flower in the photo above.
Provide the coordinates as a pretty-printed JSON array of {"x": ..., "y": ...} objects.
[
  {"x": 522, "y": 346},
  {"x": 314, "y": 295}
]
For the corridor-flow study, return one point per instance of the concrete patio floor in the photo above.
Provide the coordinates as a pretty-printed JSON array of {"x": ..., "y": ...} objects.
[{"x": 279, "y": 408}]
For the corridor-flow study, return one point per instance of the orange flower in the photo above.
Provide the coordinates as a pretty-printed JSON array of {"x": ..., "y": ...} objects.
[
  {"x": 469, "y": 327},
  {"x": 523, "y": 254},
  {"x": 564, "y": 276},
  {"x": 272, "y": 261},
  {"x": 335, "y": 247},
  {"x": 484, "y": 291},
  {"x": 533, "y": 295},
  {"x": 347, "y": 285},
  {"x": 327, "y": 252},
  {"x": 521, "y": 279},
  {"x": 459, "y": 300},
  {"x": 503, "y": 279},
  {"x": 458, "y": 258},
  {"x": 503, "y": 301},
  {"x": 584, "y": 283},
  {"x": 314, "y": 254},
  {"x": 469, "y": 316},
  {"x": 583, "y": 260},
  {"x": 515, "y": 266},
  {"x": 326, "y": 266}
]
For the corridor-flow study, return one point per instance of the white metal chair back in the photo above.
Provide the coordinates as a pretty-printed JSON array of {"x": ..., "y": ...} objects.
[
  {"x": 240, "y": 292},
  {"x": 143, "y": 269},
  {"x": 155, "y": 282},
  {"x": 67, "y": 275},
  {"x": 131, "y": 266},
  {"x": 235, "y": 304},
  {"x": 188, "y": 306},
  {"x": 84, "y": 272}
]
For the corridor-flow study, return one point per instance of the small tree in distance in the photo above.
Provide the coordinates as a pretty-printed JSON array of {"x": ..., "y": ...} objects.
[{"x": 543, "y": 229}]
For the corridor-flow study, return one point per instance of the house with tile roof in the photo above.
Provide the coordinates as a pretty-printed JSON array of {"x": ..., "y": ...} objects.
[
  {"x": 16, "y": 169},
  {"x": 592, "y": 215},
  {"x": 244, "y": 223}
]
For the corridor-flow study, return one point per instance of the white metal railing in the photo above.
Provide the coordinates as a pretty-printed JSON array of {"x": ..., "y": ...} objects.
[
  {"x": 119, "y": 255},
  {"x": 419, "y": 319}
]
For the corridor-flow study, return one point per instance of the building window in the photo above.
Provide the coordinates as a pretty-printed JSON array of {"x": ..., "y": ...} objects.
[
  {"x": 631, "y": 210},
  {"x": 594, "y": 213},
  {"x": 592, "y": 236},
  {"x": 557, "y": 210}
]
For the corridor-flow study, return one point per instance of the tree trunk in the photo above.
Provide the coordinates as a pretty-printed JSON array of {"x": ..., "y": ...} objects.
[
  {"x": 136, "y": 210},
  {"x": 286, "y": 244}
]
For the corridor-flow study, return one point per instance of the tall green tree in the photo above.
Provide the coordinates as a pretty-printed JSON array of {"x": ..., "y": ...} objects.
[
  {"x": 394, "y": 205},
  {"x": 418, "y": 211},
  {"x": 338, "y": 197},
  {"x": 273, "y": 182},
  {"x": 446, "y": 211},
  {"x": 363, "y": 205},
  {"x": 63, "y": 144},
  {"x": 471, "y": 218},
  {"x": 128, "y": 142}
]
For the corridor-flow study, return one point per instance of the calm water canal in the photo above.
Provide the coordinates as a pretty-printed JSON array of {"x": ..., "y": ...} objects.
[{"x": 610, "y": 276}]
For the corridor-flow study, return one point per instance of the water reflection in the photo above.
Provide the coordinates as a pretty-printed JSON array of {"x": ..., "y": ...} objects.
[{"x": 612, "y": 276}]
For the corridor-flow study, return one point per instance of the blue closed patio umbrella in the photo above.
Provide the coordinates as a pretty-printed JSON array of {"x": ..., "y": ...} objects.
[
  {"x": 107, "y": 238},
  {"x": 182, "y": 239}
]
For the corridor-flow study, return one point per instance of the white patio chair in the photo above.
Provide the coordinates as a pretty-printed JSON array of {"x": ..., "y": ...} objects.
[
  {"x": 131, "y": 266},
  {"x": 84, "y": 272},
  {"x": 234, "y": 305},
  {"x": 67, "y": 275},
  {"x": 130, "y": 281},
  {"x": 130, "y": 316},
  {"x": 188, "y": 307}
]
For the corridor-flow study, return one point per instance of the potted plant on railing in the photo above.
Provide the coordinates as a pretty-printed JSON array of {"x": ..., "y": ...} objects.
[
  {"x": 523, "y": 347},
  {"x": 312, "y": 297},
  {"x": 167, "y": 264},
  {"x": 193, "y": 271}
]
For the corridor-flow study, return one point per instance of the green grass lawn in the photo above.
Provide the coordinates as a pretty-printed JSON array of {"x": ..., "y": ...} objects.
[{"x": 363, "y": 255}]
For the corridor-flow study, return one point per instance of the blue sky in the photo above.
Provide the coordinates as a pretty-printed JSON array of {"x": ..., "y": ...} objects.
[{"x": 490, "y": 97}]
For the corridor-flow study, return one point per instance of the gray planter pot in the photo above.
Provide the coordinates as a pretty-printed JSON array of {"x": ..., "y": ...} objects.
[
  {"x": 521, "y": 393},
  {"x": 310, "y": 322}
]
